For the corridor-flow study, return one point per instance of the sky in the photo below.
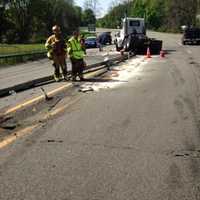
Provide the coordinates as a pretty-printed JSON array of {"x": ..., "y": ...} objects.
[{"x": 102, "y": 7}]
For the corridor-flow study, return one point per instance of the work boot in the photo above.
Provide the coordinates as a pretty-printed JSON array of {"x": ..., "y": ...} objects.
[
  {"x": 56, "y": 78},
  {"x": 73, "y": 78},
  {"x": 61, "y": 76},
  {"x": 66, "y": 78},
  {"x": 81, "y": 78}
]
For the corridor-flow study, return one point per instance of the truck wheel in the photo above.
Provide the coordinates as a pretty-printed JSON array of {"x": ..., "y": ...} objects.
[
  {"x": 183, "y": 43},
  {"x": 127, "y": 43},
  {"x": 117, "y": 48}
]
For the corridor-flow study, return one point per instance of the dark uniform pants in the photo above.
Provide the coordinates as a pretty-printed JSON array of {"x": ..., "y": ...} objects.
[{"x": 77, "y": 67}]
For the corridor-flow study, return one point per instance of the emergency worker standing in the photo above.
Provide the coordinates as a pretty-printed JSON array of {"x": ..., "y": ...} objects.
[
  {"x": 76, "y": 53},
  {"x": 57, "y": 52}
]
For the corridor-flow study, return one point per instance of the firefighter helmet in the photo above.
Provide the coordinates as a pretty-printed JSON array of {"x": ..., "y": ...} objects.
[{"x": 56, "y": 28}]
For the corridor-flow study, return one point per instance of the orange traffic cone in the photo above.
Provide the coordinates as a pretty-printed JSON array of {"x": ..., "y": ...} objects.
[
  {"x": 148, "y": 53},
  {"x": 162, "y": 54}
]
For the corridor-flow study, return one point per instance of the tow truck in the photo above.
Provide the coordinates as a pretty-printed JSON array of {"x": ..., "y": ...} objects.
[{"x": 132, "y": 37}]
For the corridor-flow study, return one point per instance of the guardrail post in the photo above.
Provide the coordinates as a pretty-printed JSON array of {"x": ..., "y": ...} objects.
[
  {"x": 129, "y": 54},
  {"x": 108, "y": 64}
]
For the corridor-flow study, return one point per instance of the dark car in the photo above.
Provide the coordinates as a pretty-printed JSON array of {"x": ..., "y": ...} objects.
[
  {"x": 191, "y": 36},
  {"x": 91, "y": 42},
  {"x": 105, "y": 38}
]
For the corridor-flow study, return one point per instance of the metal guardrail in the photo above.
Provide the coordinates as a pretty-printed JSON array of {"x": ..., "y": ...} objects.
[
  {"x": 21, "y": 57},
  {"x": 49, "y": 79},
  {"x": 22, "y": 54}
]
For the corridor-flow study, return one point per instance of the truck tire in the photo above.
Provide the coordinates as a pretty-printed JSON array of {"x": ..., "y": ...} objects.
[
  {"x": 183, "y": 43},
  {"x": 128, "y": 43},
  {"x": 118, "y": 48},
  {"x": 125, "y": 44}
]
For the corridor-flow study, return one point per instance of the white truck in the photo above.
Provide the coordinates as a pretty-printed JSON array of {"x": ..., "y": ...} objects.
[{"x": 132, "y": 37}]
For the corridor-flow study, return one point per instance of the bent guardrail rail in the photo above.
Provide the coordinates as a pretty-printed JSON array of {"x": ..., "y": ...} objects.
[{"x": 49, "y": 79}]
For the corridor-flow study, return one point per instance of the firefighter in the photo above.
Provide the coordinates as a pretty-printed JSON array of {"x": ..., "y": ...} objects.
[
  {"x": 76, "y": 51},
  {"x": 57, "y": 52}
]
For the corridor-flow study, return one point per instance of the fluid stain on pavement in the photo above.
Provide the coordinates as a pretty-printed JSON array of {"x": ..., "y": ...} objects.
[{"x": 115, "y": 77}]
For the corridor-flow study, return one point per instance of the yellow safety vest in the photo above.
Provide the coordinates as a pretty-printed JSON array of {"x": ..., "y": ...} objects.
[{"x": 75, "y": 49}]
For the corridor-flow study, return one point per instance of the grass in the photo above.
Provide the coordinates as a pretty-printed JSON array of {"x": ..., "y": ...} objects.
[
  {"x": 7, "y": 49},
  {"x": 12, "y": 49}
]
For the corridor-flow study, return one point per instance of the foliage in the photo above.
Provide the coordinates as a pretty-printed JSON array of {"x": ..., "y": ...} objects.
[
  {"x": 87, "y": 34},
  {"x": 6, "y": 49},
  {"x": 160, "y": 15},
  {"x": 30, "y": 21},
  {"x": 88, "y": 17}
]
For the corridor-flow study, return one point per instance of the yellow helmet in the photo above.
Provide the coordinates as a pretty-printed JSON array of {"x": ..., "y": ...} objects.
[{"x": 56, "y": 28}]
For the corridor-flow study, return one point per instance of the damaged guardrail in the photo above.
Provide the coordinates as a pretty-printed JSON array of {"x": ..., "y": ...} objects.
[{"x": 49, "y": 79}]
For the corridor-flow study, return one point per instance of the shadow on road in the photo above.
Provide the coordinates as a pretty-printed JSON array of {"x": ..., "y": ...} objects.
[
  {"x": 170, "y": 51},
  {"x": 102, "y": 80}
]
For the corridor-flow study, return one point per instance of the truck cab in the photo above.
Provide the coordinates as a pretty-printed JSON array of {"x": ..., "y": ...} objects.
[
  {"x": 132, "y": 37},
  {"x": 130, "y": 26}
]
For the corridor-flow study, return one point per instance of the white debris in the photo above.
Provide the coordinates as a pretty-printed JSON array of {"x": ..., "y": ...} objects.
[
  {"x": 106, "y": 58},
  {"x": 12, "y": 92},
  {"x": 86, "y": 89},
  {"x": 119, "y": 75}
]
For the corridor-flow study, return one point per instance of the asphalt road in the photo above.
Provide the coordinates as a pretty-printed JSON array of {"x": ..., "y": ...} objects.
[{"x": 134, "y": 135}]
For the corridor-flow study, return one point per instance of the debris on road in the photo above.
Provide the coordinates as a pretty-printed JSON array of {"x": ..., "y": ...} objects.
[
  {"x": 9, "y": 125},
  {"x": 86, "y": 89},
  {"x": 54, "y": 141},
  {"x": 55, "y": 104},
  {"x": 115, "y": 77},
  {"x": 12, "y": 92},
  {"x": 47, "y": 98}
]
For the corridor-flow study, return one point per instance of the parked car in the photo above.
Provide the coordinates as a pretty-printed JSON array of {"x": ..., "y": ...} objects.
[
  {"x": 191, "y": 36},
  {"x": 91, "y": 42},
  {"x": 105, "y": 38}
]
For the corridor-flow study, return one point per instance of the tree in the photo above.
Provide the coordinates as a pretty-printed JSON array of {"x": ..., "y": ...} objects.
[
  {"x": 159, "y": 14},
  {"x": 31, "y": 20},
  {"x": 20, "y": 15},
  {"x": 92, "y": 5},
  {"x": 88, "y": 17},
  {"x": 3, "y": 21}
]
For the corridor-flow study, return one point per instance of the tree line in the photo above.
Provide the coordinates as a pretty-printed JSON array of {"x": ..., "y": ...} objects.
[
  {"x": 30, "y": 21},
  {"x": 160, "y": 15}
]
